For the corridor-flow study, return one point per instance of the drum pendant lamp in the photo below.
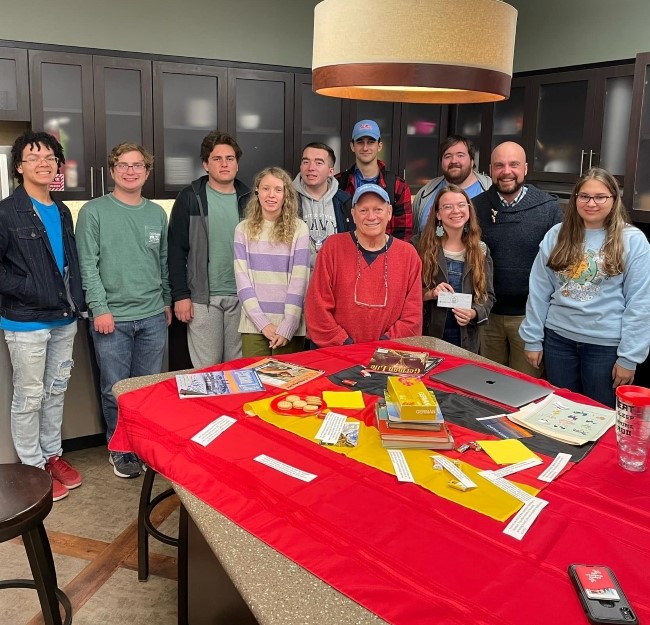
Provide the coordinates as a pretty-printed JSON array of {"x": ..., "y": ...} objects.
[{"x": 430, "y": 51}]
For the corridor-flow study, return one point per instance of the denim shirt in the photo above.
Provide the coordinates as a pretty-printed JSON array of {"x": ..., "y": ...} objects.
[
  {"x": 451, "y": 332},
  {"x": 31, "y": 286}
]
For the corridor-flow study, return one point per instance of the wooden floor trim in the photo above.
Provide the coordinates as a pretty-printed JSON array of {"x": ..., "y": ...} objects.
[{"x": 104, "y": 558}]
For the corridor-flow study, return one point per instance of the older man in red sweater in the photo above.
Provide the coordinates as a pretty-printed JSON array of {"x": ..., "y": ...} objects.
[{"x": 378, "y": 295}]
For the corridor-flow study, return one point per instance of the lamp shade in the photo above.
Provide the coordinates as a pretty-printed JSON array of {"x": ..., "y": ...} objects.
[{"x": 434, "y": 51}]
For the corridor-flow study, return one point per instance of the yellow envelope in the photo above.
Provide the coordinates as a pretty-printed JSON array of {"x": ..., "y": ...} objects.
[
  {"x": 507, "y": 451},
  {"x": 352, "y": 400}
]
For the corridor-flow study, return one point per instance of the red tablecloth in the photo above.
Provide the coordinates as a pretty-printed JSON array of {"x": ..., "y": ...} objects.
[{"x": 405, "y": 554}]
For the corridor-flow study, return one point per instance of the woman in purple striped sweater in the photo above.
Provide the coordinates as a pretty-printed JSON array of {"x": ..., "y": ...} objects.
[{"x": 272, "y": 268}]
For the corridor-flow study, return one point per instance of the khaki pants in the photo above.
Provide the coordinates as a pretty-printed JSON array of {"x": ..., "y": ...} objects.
[
  {"x": 258, "y": 345},
  {"x": 500, "y": 342}
]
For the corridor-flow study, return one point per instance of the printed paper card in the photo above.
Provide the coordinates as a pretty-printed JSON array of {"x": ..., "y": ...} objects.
[
  {"x": 454, "y": 300},
  {"x": 212, "y": 430}
]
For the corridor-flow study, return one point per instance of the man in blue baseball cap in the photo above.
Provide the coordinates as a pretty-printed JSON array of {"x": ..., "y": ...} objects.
[
  {"x": 380, "y": 296},
  {"x": 368, "y": 169}
]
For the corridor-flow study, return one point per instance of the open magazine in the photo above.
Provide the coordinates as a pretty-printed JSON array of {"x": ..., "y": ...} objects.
[
  {"x": 213, "y": 383},
  {"x": 284, "y": 375}
]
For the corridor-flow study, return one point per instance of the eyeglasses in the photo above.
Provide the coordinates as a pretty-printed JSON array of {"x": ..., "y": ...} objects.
[
  {"x": 583, "y": 198},
  {"x": 364, "y": 304},
  {"x": 139, "y": 167},
  {"x": 449, "y": 207},
  {"x": 34, "y": 160}
]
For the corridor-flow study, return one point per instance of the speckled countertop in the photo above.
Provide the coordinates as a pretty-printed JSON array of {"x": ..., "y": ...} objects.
[{"x": 278, "y": 591}]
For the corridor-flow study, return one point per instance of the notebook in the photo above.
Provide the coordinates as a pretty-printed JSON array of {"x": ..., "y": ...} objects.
[{"x": 498, "y": 387}]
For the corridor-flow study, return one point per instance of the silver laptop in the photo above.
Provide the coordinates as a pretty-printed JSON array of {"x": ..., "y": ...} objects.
[{"x": 489, "y": 384}]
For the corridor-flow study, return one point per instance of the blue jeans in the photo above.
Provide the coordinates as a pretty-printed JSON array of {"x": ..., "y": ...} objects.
[
  {"x": 134, "y": 348},
  {"x": 581, "y": 367},
  {"x": 42, "y": 363}
]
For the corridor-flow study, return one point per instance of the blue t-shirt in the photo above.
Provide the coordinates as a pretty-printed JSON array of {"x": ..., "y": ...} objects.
[{"x": 51, "y": 218}]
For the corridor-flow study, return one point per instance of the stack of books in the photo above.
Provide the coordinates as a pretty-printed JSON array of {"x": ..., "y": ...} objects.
[{"x": 410, "y": 418}]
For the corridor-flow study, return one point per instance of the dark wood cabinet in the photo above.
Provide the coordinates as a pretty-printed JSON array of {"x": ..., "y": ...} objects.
[
  {"x": 14, "y": 85},
  {"x": 566, "y": 122},
  {"x": 260, "y": 115},
  {"x": 579, "y": 119},
  {"x": 90, "y": 103},
  {"x": 189, "y": 101},
  {"x": 637, "y": 187},
  {"x": 318, "y": 119}
]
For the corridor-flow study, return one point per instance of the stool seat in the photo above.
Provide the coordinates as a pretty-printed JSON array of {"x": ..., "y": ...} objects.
[
  {"x": 25, "y": 501},
  {"x": 25, "y": 498}
]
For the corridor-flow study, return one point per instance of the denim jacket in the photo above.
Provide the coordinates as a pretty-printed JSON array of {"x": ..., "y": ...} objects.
[{"x": 31, "y": 285}]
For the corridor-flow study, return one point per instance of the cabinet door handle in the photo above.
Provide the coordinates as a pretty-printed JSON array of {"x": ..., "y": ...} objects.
[
  {"x": 582, "y": 159},
  {"x": 591, "y": 155},
  {"x": 92, "y": 182},
  {"x": 598, "y": 163},
  {"x": 101, "y": 173}
]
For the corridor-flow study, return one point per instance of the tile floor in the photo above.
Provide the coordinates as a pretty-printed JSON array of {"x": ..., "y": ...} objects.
[{"x": 93, "y": 537}]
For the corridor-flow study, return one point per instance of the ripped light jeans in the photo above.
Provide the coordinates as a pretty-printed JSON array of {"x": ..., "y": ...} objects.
[{"x": 42, "y": 362}]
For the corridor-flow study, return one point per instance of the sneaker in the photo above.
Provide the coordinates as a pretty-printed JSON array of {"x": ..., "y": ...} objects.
[
  {"x": 61, "y": 470},
  {"x": 59, "y": 491},
  {"x": 125, "y": 465}
]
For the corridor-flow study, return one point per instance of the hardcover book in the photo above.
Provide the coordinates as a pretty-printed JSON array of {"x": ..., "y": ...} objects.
[
  {"x": 213, "y": 383},
  {"x": 392, "y": 438}
]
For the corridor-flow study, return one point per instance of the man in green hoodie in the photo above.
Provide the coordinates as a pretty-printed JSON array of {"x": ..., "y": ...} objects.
[{"x": 323, "y": 206}]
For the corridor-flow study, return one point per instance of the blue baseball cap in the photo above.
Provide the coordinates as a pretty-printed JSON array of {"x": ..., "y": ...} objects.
[
  {"x": 370, "y": 188},
  {"x": 366, "y": 128}
]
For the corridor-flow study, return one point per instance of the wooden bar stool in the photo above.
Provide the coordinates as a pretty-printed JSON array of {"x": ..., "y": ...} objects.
[
  {"x": 25, "y": 500},
  {"x": 145, "y": 526}
]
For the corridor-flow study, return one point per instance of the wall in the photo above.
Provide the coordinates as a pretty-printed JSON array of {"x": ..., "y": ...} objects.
[
  {"x": 259, "y": 31},
  {"x": 558, "y": 33},
  {"x": 550, "y": 33}
]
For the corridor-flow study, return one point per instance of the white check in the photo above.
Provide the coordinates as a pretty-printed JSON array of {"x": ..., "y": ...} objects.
[{"x": 455, "y": 300}]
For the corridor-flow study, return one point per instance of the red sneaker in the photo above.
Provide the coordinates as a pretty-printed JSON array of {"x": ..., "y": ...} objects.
[
  {"x": 61, "y": 470},
  {"x": 59, "y": 491}
]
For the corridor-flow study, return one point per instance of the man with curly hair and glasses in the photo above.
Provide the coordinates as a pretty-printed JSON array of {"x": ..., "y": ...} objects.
[
  {"x": 122, "y": 239},
  {"x": 40, "y": 301}
]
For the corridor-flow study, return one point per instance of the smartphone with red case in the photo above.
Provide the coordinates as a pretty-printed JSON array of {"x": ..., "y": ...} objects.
[{"x": 601, "y": 596}]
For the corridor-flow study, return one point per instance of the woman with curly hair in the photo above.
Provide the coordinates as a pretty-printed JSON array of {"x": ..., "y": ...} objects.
[
  {"x": 272, "y": 268},
  {"x": 455, "y": 260},
  {"x": 588, "y": 309}
]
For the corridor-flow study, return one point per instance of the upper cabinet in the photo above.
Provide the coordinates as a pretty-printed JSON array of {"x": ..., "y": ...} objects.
[
  {"x": 422, "y": 127},
  {"x": 637, "y": 187},
  {"x": 579, "y": 120},
  {"x": 91, "y": 103},
  {"x": 260, "y": 115},
  {"x": 189, "y": 102},
  {"x": 317, "y": 119},
  {"x": 14, "y": 86},
  {"x": 566, "y": 122}
]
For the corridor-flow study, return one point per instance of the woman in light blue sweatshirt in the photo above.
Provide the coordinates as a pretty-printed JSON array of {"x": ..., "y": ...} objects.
[{"x": 588, "y": 311}]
